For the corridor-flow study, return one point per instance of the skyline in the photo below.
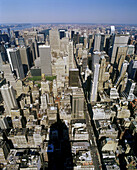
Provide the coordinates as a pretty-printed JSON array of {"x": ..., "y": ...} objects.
[
  {"x": 68, "y": 88},
  {"x": 115, "y": 12}
]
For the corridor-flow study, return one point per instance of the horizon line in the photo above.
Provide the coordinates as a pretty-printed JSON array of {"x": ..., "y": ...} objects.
[{"x": 67, "y": 23}]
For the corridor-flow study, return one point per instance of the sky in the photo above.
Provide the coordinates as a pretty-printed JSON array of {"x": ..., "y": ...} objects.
[{"x": 68, "y": 11}]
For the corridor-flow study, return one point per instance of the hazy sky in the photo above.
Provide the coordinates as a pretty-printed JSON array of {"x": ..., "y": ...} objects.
[{"x": 68, "y": 11}]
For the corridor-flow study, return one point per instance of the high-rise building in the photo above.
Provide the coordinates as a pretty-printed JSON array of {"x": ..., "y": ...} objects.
[
  {"x": 17, "y": 122},
  {"x": 97, "y": 41},
  {"x": 119, "y": 40},
  {"x": 54, "y": 40},
  {"x": 4, "y": 123},
  {"x": 4, "y": 151},
  {"x": 132, "y": 70},
  {"x": 54, "y": 88},
  {"x": 112, "y": 29},
  {"x": 122, "y": 71},
  {"x": 59, "y": 70},
  {"x": 81, "y": 39},
  {"x": 44, "y": 102},
  {"x": 113, "y": 93},
  {"x": 33, "y": 50},
  {"x": 8, "y": 29},
  {"x": 9, "y": 98},
  {"x": 64, "y": 42},
  {"x": 74, "y": 78},
  {"x": 121, "y": 51},
  {"x": 123, "y": 68},
  {"x": 130, "y": 49},
  {"x": 94, "y": 87},
  {"x": 8, "y": 75},
  {"x": 45, "y": 58},
  {"x": 15, "y": 62},
  {"x": 62, "y": 33},
  {"x": 102, "y": 70},
  {"x": 77, "y": 104},
  {"x": 129, "y": 91},
  {"x": 35, "y": 46},
  {"x": 4, "y": 37},
  {"x": 102, "y": 42},
  {"x": 70, "y": 55},
  {"x": 84, "y": 64},
  {"x": 26, "y": 58},
  {"x": 40, "y": 38},
  {"x": 44, "y": 87},
  {"x": 96, "y": 58},
  {"x": 72, "y": 34},
  {"x": 21, "y": 41},
  {"x": 19, "y": 87},
  {"x": 16, "y": 34},
  {"x": 18, "y": 137},
  {"x": 76, "y": 38},
  {"x": 1, "y": 61},
  {"x": 136, "y": 48}
]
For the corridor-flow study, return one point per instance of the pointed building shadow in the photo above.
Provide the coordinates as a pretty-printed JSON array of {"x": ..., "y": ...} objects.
[{"x": 59, "y": 147}]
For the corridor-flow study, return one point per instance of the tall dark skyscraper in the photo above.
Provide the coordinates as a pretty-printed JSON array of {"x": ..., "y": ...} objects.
[
  {"x": 26, "y": 58},
  {"x": 8, "y": 29},
  {"x": 4, "y": 37},
  {"x": 15, "y": 62},
  {"x": 62, "y": 33},
  {"x": 16, "y": 34}
]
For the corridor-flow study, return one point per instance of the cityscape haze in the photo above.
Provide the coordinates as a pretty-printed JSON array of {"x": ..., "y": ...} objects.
[{"x": 60, "y": 11}]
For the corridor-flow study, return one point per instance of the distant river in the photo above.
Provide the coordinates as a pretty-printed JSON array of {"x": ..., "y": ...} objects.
[{"x": 18, "y": 28}]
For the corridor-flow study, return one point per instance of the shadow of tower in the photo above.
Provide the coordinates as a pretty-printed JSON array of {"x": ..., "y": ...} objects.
[{"x": 59, "y": 148}]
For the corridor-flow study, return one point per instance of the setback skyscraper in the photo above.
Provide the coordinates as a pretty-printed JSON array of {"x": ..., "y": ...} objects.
[
  {"x": 119, "y": 40},
  {"x": 9, "y": 98}
]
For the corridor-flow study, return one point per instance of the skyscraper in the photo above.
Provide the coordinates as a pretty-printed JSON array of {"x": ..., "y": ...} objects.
[
  {"x": 26, "y": 58},
  {"x": 62, "y": 33},
  {"x": 102, "y": 70},
  {"x": 74, "y": 78},
  {"x": 96, "y": 58},
  {"x": 129, "y": 91},
  {"x": 15, "y": 62},
  {"x": 95, "y": 84},
  {"x": 1, "y": 61},
  {"x": 8, "y": 75},
  {"x": 121, "y": 51},
  {"x": 44, "y": 102},
  {"x": 16, "y": 34},
  {"x": 97, "y": 41},
  {"x": 70, "y": 53},
  {"x": 77, "y": 104},
  {"x": 45, "y": 58},
  {"x": 4, "y": 151},
  {"x": 123, "y": 70},
  {"x": 8, "y": 29},
  {"x": 4, "y": 123},
  {"x": 119, "y": 40},
  {"x": 54, "y": 40},
  {"x": 112, "y": 29},
  {"x": 9, "y": 98}
]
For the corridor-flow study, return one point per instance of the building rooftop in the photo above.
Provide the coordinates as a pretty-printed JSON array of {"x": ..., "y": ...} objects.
[{"x": 44, "y": 46}]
